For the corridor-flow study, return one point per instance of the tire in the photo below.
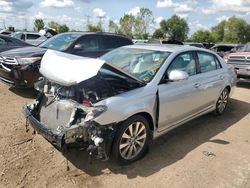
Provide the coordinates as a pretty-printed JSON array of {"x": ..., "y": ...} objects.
[
  {"x": 131, "y": 141},
  {"x": 222, "y": 102}
]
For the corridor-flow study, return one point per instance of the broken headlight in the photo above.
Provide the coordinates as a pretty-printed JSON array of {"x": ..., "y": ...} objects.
[{"x": 98, "y": 110}]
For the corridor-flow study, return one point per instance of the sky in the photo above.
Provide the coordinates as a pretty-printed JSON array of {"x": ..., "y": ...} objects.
[{"x": 199, "y": 14}]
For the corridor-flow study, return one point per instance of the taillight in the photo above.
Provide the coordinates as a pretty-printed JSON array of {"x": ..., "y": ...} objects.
[{"x": 86, "y": 103}]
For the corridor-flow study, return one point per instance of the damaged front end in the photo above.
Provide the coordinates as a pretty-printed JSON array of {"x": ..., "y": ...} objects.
[{"x": 65, "y": 116}]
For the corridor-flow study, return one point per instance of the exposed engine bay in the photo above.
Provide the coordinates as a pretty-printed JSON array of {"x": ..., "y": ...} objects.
[{"x": 70, "y": 110}]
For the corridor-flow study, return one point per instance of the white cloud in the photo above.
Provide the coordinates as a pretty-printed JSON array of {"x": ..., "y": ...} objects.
[
  {"x": 159, "y": 19},
  {"x": 239, "y": 6},
  {"x": 133, "y": 11},
  {"x": 6, "y": 6},
  {"x": 165, "y": 4},
  {"x": 183, "y": 8},
  {"x": 157, "y": 22},
  {"x": 57, "y": 3},
  {"x": 182, "y": 15},
  {"x": 180, "y": 7},
  {"x": 99, "y": 12},
  {"x": 221, "y": 18}
]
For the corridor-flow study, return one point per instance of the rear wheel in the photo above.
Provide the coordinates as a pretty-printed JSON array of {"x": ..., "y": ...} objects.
[
  {"x": 131, "y": 141},
  {"x": 222, "y": 102}
]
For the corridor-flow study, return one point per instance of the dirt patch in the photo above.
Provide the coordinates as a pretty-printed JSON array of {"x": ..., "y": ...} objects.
[{"x": 206, "y": 152}]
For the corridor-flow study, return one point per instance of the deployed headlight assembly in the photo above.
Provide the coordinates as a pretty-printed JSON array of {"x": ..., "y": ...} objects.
[
  {"x": 28, "y": 60},
  {"x": 98, "y": 110}
]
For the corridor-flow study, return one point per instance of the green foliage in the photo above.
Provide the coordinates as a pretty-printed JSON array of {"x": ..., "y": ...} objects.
[
  {"x": 39, "y": 24},
  {"x": 142, "y": 23},
  {"x": 202, "y": 36},
  {"x": 63, "y": 28},
  {"x": 59, "y": 28},
  {"x": 218, "y": 31},
  {"x": 236, "y": 31},
  {"x": 158, "y": 34},
  {"x": 95, "y": 28},
  {"x": 127, "y": 25},
  {"x": 176, "y": 28},
  {"x": 113, "y": 27},
  {"x": 54, "y": 25}
]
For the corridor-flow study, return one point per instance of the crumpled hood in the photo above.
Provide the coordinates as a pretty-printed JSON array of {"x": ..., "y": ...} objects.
[{"x": 66, "y": 69}]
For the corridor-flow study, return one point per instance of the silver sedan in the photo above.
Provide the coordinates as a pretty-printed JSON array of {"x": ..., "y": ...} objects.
[{"x": 116, "y": 104}]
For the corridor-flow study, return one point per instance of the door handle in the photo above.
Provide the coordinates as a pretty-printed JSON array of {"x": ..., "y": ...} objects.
[
  {"x": 221, "y": 77},
  {"x": 197, "y": 85}
]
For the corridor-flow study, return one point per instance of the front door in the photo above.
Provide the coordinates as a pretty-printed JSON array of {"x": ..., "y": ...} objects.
[{"x": 180, "y": 99}]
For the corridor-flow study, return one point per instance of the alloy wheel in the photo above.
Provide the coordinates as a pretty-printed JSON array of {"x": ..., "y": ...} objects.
[
  {"x": 132, "y": 141},
  {"x": 222, "y": 101}
]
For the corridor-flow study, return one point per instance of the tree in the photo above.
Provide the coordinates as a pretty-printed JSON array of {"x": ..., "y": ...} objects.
[
  {"x": 127, "y": 25},
  {"x": 95, "y": 28},
  {"x": 142, "y": 23},
  {"x": 202, "y": 36},
  {"x": 218, "y": 31},
  {"x": 59, "y": 28},
  {"x": 158, "y": 34},
  {"x": 236, "y": 31},
  {"x": 39, "y": 24},
  {"x": 54, "y": 25},
  {"x": 63, "y": 28},
  {"x": 176, "y": 28},
  {"x": 113, "y": 27}
]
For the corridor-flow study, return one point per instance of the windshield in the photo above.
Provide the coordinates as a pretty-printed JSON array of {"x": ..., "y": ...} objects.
[
  {"x": 246, "y": 48},
  {"x": 59, "y": 42},
  {"x": 18, "y": 36},
  {"x": 141, "y": 63}
]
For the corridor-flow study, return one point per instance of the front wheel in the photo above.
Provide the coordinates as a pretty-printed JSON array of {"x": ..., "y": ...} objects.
[
  {"x": 222, "y": 102},
  {"x": 132, "y": 140}
]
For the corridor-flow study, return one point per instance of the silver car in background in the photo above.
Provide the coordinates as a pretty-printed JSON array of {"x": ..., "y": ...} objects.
[{"x": 116, "y": 104}]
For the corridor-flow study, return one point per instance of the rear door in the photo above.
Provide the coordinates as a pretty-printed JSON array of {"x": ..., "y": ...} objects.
[
  {"x": 87, "y": 46},
  {"x": 212, "y": 77},
  {"x": 180, "y": 99}
]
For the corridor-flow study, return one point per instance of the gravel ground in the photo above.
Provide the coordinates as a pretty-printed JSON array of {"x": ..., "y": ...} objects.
[{"x": 206, "y": 152}]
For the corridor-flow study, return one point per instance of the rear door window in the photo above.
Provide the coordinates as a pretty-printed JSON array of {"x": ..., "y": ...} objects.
[
  {"x": 32, "y": 36},
  {"x": 109, "y": 42},
  {"x": 208, "y": 62},
  {"x": 184, "y": 62},
  {"x": 88, "y": 43}
]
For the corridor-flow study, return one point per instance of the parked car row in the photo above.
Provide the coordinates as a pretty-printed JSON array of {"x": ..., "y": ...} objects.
[
  {"x": 103, "y": 94},
  {"x": 20, "y": 67}
]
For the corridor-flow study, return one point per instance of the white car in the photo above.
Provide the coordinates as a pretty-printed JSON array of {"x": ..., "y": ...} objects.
[{"x": 30, "y": 37}]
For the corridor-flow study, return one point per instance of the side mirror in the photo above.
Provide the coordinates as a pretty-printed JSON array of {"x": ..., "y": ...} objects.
[{"x": 177, "y": 75}]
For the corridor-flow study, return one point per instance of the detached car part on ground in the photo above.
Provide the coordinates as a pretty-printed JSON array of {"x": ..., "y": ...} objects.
[{"x": 117, "y": 104}]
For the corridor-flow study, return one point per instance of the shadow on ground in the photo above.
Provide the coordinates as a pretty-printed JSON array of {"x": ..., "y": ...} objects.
[
  {"x": 169, "y": 148},
  {"x": 243, "y": 83},
  {"x": 29, "y": 93}
]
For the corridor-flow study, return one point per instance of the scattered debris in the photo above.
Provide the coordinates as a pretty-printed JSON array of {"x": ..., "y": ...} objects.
[
  {"x": 208, "y": 153},
  {"x": 22, "y": 142}
]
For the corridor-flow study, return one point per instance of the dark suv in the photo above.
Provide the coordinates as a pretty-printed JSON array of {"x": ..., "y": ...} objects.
[{"x": 20, "y": 67}]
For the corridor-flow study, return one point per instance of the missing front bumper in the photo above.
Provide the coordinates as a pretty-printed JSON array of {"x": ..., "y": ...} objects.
[
  {"x": 53, "y": 136},
  {"x": 99, "y": 139}
]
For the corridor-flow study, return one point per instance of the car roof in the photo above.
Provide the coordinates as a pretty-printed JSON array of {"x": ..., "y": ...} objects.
[
  {"x": 91, "y": 33},
  {"x": 165, "y": 47},
  {"x": 28, "y": 32}
]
